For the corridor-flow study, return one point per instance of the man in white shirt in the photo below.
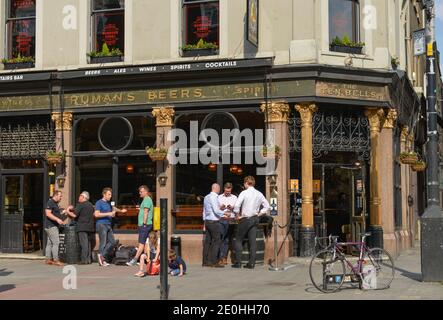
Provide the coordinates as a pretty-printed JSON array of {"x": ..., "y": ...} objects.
[
  {"x": 226, "y": 201},
  {"x": 250, "y": 201},
  {"x": 211, "y": 215}
]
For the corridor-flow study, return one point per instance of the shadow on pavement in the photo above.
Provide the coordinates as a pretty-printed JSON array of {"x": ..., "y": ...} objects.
[
  {"x": 6, "y": 287},
  {"x": 408, "y": 274},
  {"x": 4, "y": 273}
]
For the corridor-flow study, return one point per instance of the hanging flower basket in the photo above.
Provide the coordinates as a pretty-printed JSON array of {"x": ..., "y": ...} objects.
[
  {"x": 270, "y": 152},
  {"x": 157, "y": 154},
  {"x": 408, "y": 158},
  {"x": 54, "y": 157},
  {"x": 418, "y": 166}
]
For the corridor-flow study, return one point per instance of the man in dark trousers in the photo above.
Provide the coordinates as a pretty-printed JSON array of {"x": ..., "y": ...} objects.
[
  {"x": 212, "y": 214},
  {"x": 84, "y": 216},
  {"x": 252, "y": 204}
]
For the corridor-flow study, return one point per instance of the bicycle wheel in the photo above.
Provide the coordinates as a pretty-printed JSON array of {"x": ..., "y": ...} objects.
[
  {"x": 383, "y": 264},
  {"x": 327, "y": 273}
]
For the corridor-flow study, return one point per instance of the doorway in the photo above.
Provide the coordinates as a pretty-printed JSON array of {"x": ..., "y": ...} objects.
[
  {"x": 21, "y": 217},
  {"x": 340, "y": 199}
]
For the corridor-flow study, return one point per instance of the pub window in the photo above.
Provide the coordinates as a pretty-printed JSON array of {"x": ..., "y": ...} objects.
[
  {"x": 200, "y": 27},
  {"x": 344, "y": 22},
  {"x": 20, "y": 28},
  {"x": 108, "y": 30}
]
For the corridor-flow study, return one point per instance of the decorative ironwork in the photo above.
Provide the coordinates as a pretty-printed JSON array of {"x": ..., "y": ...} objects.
[
  {"x": 29, "y": 141},
  {"x": 346, "y": 132}
]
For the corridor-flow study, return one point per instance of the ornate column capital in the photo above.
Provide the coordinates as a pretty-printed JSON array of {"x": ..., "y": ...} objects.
[
  {"x": 277, "y": 111},
  {"x": 306, "y": 111},
  {"x": 375, "y": 117},
  {"x": 62, "y": 123},
  {"x": 390, "y": 119},
  {"x": 164, "y": 116},
  {"x": 404, "y": 134}
]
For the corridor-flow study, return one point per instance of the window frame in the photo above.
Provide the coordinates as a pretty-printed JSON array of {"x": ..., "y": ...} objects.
[
  {"x": 356, "y": 30},
  {"x": 184, "y": 22},
  {"x": 8, "y": 19},
  {"x": 93, "y": 25}
]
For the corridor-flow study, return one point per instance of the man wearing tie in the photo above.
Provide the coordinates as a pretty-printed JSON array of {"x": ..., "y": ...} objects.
[
  {"x": 212, "y": 214},
  {"x": 250, "y": 201}
]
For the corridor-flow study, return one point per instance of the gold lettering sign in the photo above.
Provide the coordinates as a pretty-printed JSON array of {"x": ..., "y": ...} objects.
[
  {"x": 351, "y": 91},
  {"x": 283, "y": 89}
]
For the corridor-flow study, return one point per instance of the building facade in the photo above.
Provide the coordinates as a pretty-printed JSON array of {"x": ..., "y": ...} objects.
[{"x": 100, "y": 81}]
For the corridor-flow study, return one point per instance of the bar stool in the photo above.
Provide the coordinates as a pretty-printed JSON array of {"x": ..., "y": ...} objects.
[
  {"x": 36, "y": 239},
  {"x": 27, "y": 229}
]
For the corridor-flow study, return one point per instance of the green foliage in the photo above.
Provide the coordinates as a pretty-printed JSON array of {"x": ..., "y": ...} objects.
[
  {"x": 53, "y": 153},
  {"x": 105, "y": 52},
  {"x": 19, "y": 59},
  {"x": 395, "y": 61},
  {"x": 346, "y": 41},
  {"x": 156, "y": 150},
  {"x": 201, "y": 44}
]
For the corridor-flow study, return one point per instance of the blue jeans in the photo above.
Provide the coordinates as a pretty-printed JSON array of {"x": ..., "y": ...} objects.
[
  {"x": 106, "y": 238},
  {"x": 224, "y": 247},
  {"x": 175, "y": 272}
]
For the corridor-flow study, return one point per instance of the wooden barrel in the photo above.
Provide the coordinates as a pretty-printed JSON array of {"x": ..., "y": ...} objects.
[{"x": 260, "y": 253}]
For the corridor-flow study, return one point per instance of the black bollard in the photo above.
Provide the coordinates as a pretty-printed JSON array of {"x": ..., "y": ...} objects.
[{"x": 164, "y": 290}]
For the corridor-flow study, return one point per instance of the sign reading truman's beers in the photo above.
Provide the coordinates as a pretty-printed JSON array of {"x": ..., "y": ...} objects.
[{"x": 351, "y": 91}]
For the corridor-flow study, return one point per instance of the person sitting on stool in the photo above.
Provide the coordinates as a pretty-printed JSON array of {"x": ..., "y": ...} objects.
[{"x": 250, "y": 200}]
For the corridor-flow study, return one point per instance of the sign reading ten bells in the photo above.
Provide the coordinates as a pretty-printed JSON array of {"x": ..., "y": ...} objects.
[{"x": 351, "y": 91}]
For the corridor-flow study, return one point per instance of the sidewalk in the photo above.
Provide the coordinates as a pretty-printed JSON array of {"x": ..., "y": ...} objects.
[{"x": 27, "y": 279}]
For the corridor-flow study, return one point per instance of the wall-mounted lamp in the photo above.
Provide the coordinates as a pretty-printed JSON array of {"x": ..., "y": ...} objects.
[
  {"x": 61, "y": 179},
  {"x": 162, "y": 178}
]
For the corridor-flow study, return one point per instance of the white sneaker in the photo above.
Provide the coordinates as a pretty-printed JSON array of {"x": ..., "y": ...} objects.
[
  {"x": 105, "y": 264},
  {"x": 131, "y": 263}
]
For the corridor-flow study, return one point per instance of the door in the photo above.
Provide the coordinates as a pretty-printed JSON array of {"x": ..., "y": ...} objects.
[{"x": 12, "y": 214}]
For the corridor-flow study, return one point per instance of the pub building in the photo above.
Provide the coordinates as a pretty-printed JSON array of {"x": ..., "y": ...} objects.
[
  {"x": 340, "y": 129},
  {"x": 340, "y": 132}
]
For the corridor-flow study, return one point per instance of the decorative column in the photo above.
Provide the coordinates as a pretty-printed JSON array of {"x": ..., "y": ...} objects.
[
  {"x": 63, "y": 143},
  {"x": 407, "y": 222},
  {"x": 164, "y": 187},
  {"x": 375, "y": 117},
  {"x": 387, "y": 181},
  {"x": 307, "y": 232},
  {"x": 276, "y": 117}
]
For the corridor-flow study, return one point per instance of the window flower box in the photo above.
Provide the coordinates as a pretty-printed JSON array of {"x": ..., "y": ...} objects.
[
  {"x": 105, "y": 55},
  {"x": 18, "y": 62},
  {"x": 346, "y": 49},
  {"x": 106, "y": 59},
  {"x": 202, "y": 48},
  {"x": 345, "y": 45},
  {"x": 199, "y": 52}
]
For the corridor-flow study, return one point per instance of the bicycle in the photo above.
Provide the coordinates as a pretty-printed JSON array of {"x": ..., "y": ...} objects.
[{"x": 374, "y": 268}]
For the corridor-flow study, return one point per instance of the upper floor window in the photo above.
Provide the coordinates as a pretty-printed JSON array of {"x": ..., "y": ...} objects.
[
  {"x": 200, "y": 27},
  {"x": 20, "y": 30},
  {"x": 108, "y": 30},
  {"x": 344, "y": 24}
]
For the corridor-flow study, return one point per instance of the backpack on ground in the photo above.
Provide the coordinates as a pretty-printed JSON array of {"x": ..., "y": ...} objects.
[{"x": 124, "y": 254}]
